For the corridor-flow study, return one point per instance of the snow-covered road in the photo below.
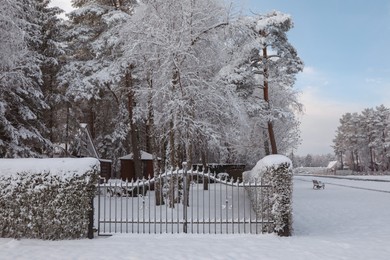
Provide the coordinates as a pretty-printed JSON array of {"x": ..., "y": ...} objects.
[{"x": 373, "y": 183}]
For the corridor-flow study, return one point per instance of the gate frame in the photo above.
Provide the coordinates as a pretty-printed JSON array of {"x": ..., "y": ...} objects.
[{"x": 261, "y": 218}]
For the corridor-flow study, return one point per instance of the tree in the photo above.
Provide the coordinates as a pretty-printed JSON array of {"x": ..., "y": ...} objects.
[
  {"x": 52, "y": 51},
  {"x": 363, "y": 139},
  {"x": 174, "y": 49},
  {"x": 101, "y": 94},
  {"x": 278, "y": 69},
  {"x": 21, "y": 99},
  {"x": 262, "y": 68}
]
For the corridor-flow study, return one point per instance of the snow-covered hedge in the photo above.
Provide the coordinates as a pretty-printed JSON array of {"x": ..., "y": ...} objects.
[
  {"x": 46, "y": 198},
  {"x": 275, "y": 171}
]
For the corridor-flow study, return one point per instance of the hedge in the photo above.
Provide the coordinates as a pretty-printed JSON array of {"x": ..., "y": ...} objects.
[
  {"x": 47, "y": 198},
  {"x": 275, "y": 171}
]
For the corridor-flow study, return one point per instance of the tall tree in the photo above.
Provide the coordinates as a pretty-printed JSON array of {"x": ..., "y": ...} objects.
[
  {"x": 21, "y": 99},
  {"x": 277, "y": 62},
  {"x": 263, "y": 66},
  {"x": 52, "y": 52},
  {"x": 173, "y": 45},
  {"x": 89, "y": 81}
]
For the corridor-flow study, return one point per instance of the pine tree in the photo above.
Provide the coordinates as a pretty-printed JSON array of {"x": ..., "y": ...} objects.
[
  {"x": 52, "y": 51},
  {"x": 278, "y": 69},
  {"x": 22, "y": 103},
  {"x": 262, "y": 68},
  {"x": 89, "y": 83}
]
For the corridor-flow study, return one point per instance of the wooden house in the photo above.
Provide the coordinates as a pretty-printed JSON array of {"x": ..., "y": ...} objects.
[
  {"x": 127, "y": 166},
  {"x": 332, "y": 167},
  {"x": 105, "y": 169}
]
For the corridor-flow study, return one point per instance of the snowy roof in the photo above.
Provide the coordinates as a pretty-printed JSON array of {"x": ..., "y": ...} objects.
[
  {"x": 144, "y": 156},
  {"x": 331, "y": 164},
  {"x": 56, "y": 166}
]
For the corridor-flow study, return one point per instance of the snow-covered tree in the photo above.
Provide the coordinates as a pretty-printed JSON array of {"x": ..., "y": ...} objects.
[
  {"x": 52, "y": 52},
  {"x": 21, "y": 99},
  {"x": 277, "y": 63},
  {"x": 363, "y": 139},
  {"x": 175, "y": 48},
  {"x": 89, "y": 84},
  {"x": 263, "y": 68}
]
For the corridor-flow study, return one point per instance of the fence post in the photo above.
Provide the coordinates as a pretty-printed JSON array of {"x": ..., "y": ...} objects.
[{"x": 90, "y": 217}]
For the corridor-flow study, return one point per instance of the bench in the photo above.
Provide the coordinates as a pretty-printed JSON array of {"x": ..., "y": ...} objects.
[
  {"x": 318, "y": 185},
  {"x": 127, "y": 191}
]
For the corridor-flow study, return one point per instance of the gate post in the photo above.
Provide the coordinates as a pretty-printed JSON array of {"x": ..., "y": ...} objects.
[
  {"x": 90, "y": 217},
  {"x": 185, "y": 196}
]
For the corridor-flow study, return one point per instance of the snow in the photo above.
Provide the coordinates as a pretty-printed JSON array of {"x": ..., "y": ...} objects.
[
  {"x": 275, "y": 159},
  {"x": 63, "y": 167},
  {"x": 273, "y": 19},
  {"x": 144, "y": 156},
  {"x": 262, "y": 165},
  {"x": 336, "y": 223},
  {"x": 331, "y": 164}
]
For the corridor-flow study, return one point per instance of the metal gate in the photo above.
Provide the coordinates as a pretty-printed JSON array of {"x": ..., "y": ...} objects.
[{"x": 215, "y": 205}]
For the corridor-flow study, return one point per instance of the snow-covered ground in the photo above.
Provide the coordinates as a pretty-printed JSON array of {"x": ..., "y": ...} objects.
[{"x": 339, "y": 222}]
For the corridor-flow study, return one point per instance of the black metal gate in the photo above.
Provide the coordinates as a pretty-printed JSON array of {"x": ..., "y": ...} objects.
[{"x": 214, "y": 205}]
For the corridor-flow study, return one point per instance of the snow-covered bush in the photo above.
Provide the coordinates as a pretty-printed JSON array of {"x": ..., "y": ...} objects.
[
  {"x": 46, "y": 198},
  {"x": 275, "y": 171}
]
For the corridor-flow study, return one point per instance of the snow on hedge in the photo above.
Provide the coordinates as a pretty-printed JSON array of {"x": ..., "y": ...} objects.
[
  {"x": 262, "y": 166},
  {"x": 62, "y": 167},
  {"x": 47, "y": 198},
  {"x": 275, "y": 171}
]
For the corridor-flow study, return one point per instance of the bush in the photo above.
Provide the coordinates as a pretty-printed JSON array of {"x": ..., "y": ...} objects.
[
  {"x": 275, "y": 171},
  {"x": 51, "y": 200}
]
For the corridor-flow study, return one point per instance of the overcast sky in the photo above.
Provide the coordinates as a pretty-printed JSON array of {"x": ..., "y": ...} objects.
[{"x": 345, "y": 45}]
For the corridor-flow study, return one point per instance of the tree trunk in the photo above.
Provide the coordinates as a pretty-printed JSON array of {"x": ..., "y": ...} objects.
[
  {"x": 271, "y": 133},
  {"x": 91, "y": 119},
  {"x": 266, "y": 143},
  {"x": 150, "y": 125},
  {"x": 371, "y": 160},
  {"x": 203, "y": 158},
  {"x": 171, "y": 144},
  {"x": 158, "y": 187},
  {"x": 187, "y": 179},
  {"x": 133, "y": 127},
  {"x": 353, "y": 161},
  {"x": 67, "y": 129},
  {"x": 151, "y": 148},
  {"x": 173, "y": 193}
]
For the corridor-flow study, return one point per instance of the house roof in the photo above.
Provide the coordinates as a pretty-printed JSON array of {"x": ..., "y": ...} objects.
[
  {"x": 144, "y": 156},
  {"x": 332, "y": 164}
]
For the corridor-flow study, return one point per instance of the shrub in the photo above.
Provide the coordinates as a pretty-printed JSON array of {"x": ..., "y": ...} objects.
[
  {"x": 275, "y": 171},
  {"x": 46, "y": 198}
]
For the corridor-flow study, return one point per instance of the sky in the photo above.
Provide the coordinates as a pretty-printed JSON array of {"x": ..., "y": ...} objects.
[{"x": 345, "y": 48}]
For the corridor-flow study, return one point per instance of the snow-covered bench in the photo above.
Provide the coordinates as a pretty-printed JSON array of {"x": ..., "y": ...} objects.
[
  {"x": 318, "y": 185},
  {"x": 117, "y": 187}
]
